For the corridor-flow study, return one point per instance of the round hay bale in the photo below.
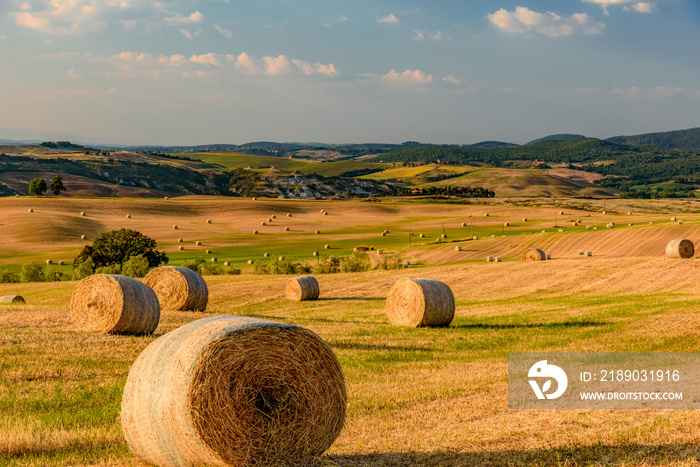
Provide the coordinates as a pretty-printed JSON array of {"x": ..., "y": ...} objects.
[
  {"x": 315, "y": 253},
  {"x": 406, "y": 263},
  {"x": 610, "y": 225},
  {"x": 208, "y": 221},
  {"x": 302, "y": 288},
  {"x": 327, "y": 247},
  {"x": 464, "y": 224},
  {"x": 114, "y": 304},
  {"x": 178, "y": 288},
  {"x": 524, "y": 219},
  {"x": 255, "y": 232},
  {"x": 544, "y": 231},
  {"x": 386, "y": 231},
  {"x": 263, "y": 223},
  {"x": 61, "y": 263},
  {"x": 128, "y": 216},
  {"x": 475, "y": 237},
  {"x": 165, "y": 197},
  {"x": 561, "y": 213},
  {"x": 255, "y": 198},
  {"x": 322, "y": 211},
  {"x": 534, "y": 254},
  {"x": 588, "y": 227},
  {"x": 383, "y": 234},
  {"x": 325, "y": 213},
  {"x": 595, "y": 228},
  {"x": 438, "y": 240},
  {"x": 266, "y": 255},
  {"x": 179, "y": 240},
  {"x": 280, "y": 258},
  {"x": 581, "y": 252},
  {"x": 208, "y": 252},
  {"x": 443, "y": 236},
  {"x": 548, "y": 256},
  {"x": 486, "y": 214},
  {"x": 250, "y": 261},
  {"x": 499, "y": 259},
  {"x": 680, "y": 222},
  {"x": 589, "y": 253},
  {"x": 605, "y": 212},
  {"x": 12, "y": 299},
  {"x": 680, "y": 248},
  {"x": 198, "y": 243},
  {"x": 181, "y": 248},
  {"x": 83, "y": 237},
  {"x": 289, "y": 214},
  {"x": 82, "y": 213},
  {"x": 234, "y": 391},
  {"x": 506, "y": 224},
  {"x": 30, "y": 210},
  {"x": 286, "y": 229},
  {"x": 269, "y": 219},
  {"x": 560, "y": 230},
  {"x": 420, "y": 302},
  {"x": 317, "y": 232},
  {"x": 629, "y": 213},
  {"x": 380, "y": 251},
  {"x": 458, "y": 248},
  {"x": 16, "y": 196},
  {"x": 421, "y": 236},
  {"x": 673, "y": 219},
  {"x": 575, "y": 224},
  {"x": 48, "y": 261},
  {"x": 214, "y": 259},
  {"x": 489, "y": 259},
  {"x": 227, "y": 263},
  {"x": 273, "y": 216},
  {"x": 630, "y": 224}
]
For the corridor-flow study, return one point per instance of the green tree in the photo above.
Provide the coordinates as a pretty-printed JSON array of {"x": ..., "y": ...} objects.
[
  {"x": 37, "y": 187},
  {"x": 57, "y": 185},
  {"x": 32, "y": 272},
  {"x": 117, "y": 246}
]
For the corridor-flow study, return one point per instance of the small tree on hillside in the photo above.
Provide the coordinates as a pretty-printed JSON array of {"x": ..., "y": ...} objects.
[
  {"x": 37, "y": 187},
  {"x": 57, "y": 185},
  {"x": 117, "y": 246}
]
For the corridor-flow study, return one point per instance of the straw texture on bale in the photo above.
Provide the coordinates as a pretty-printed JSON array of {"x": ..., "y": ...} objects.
[
  {"x": 580, "y": 252},
  {"x": 302, "y": 288},
  {"x": 263, "y": 223},
  {"x": 83, "y": 237},
  {"x": 266, "y": 255},
  {"x": 464, "y": 224},
  {"x": 318, "y": 232},
  {"x": 325, "y": 213},
  {"x": 280, "y": 258},
  {"x": 61, "y": 263},
  {"x": 286, "y": 229},
  {"x": 475, "y": 237},
  {"x": 289, "y": 214},
  {"x": 680, "y": 248},
  {"x": 255, "y": 232},
  {"x": 486, "y": 214},
  {"x": 680, "y": 222},
  {"x": 548, "y": 256},
  {"x": 315, "y": 253},
  {"x": 128, "y": 216},
  {"x": 498, "y": 259},
  {"x": 82, "y": 213},
  {"x": 208, "y": 221},
  {"x": 250, "y": 261},
  {"x": 180, "y": 240},
  {"x": 458, "y": 248},
  {"x": 48, "y": 261},
  {"x": 228, "y": 263},
  {"x": 589, "y": 253},
  {"x": 383, "y": 234},
  {"x": 178, "y": 288},
  {"x": 673, "y": 219},
  {"x": 443, "y": 236},
  {"x": 534, "y": 254},
  {"x": 234, "y": 391},
  {"x": 420, "y": 302},
  {"x": 208, "y": 252},
  {"x": 489, "y": 259},
  {"x": 506, "y": 224},
  {"x": 327, "y": 247},
  {"x": 422, "y": 235},
  {"x": 114, "y": 304},
  {"x": 12, "y": 299},
  {"x": 524, "y": 219},
  {"x": 214, "y": 259},
  {"x": 181, "y": 248},
  {"x": 198, "y": 243},
  {"x": 274, "y": 216}
]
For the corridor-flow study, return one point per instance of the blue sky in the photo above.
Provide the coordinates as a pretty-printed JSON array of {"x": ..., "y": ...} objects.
[{"x": 235, "y": 71}]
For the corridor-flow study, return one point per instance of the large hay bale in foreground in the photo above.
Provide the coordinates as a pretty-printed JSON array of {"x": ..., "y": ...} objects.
[
  {"x": 420, "y": 302},
  {"x": 234, "y": 391},
  {"x": 178, "y": 288},
  {"x": 114, "y": 304},
  {"x": 680, "y": 248},
  {"x": 534, "y": 254},
  {"x": 302, "y": 288},
  {"x": 12, "y": 299}
]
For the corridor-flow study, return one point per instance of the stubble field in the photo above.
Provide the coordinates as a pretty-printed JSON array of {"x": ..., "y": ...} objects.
[{"x": 433, "y": 397}]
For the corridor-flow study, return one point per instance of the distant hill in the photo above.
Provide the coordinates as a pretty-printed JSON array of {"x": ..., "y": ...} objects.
[
  {"x": 492, "y": 145},
  {"x": 687, "y": 140},
  {"x": 560, "y": 137}
]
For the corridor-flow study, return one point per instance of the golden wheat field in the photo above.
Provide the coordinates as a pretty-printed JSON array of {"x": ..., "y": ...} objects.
[{"x": 416, "y": 396}]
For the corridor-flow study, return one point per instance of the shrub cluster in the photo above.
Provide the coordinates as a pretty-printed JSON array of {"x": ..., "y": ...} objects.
[{"x": 200, "y": 266}]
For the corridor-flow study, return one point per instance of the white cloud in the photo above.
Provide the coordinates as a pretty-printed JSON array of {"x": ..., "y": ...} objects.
[
  {"x": 522, "y": 20},
  {"x": 437, "y": 36},
  {"x": 226, "y": 32},
  {"x": 179, "y": 20},
  {"x": 315, "y": 68},
  {"x": 276, "y": 65},
  {"x": 659, "y": 92},
  {"x": 206, "y": 59},
  {"x": 246, "y": 64},
  {"x": 452, "y": 80},
  {"x": 641, "y": 7},
  {"x": 190, "y": 34},
  {"x": 391, "y": 19},
  {"x": 408, "y": 77}
]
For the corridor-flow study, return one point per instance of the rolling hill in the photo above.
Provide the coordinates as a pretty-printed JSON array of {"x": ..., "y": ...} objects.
[{"x": 688, "y": 140}]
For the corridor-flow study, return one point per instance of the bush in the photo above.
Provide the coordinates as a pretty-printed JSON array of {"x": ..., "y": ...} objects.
[
  {"x": 136, "y": 266},
  {"x": 357, "y": 262},
  {"x": 391, "y": 261},
  {"x": 84, "y": 269},
  {"x": 282, "y": 267},
  {"x": 327, "y": 266},
  {"x": 195, "y": 265},
  {"x": 111, "y": 269},
  {"x": 216, "y": 270},
  {"x": 117, "y": 246},
  {"x": 8, "y": 277},
  {"x": 54, "y": 274},
  {"x": 32, "y": 272}
]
